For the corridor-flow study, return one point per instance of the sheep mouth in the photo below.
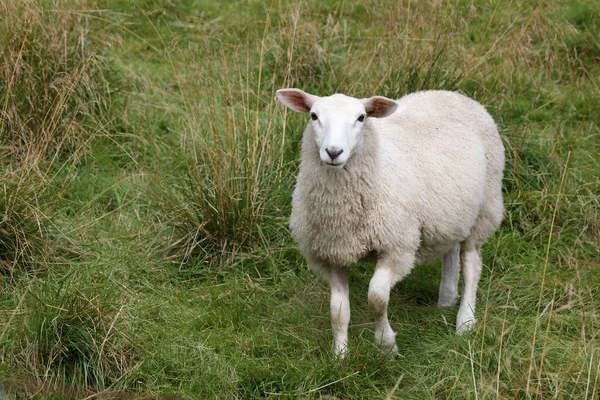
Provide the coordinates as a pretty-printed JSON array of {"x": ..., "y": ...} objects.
[{"x": 334, "y": 165}]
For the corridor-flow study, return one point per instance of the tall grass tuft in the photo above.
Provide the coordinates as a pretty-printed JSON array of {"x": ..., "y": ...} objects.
[
  {"x": 22, "y": 238},
  {"x": 52, "y": 90},
  {"x": 232, "y": 150}
]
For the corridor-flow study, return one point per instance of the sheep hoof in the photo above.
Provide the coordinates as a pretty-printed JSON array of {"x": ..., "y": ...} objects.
[
  {"x": 465, "y": 325},
  {"x": 341, "y": 352}
]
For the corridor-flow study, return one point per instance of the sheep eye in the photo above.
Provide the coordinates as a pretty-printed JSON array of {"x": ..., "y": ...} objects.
[
  {"x": 361, "y": 118},
  {"x": 313, "y": 116}
]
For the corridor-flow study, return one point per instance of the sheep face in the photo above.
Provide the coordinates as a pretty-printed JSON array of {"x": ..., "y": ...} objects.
[{"x": 337, "y": 121}]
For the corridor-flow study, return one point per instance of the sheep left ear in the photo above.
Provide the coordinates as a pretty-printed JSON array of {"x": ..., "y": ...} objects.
[{"x": 379, "y": 106}]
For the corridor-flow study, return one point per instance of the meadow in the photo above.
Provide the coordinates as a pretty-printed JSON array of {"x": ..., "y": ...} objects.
[{"x": 146, "y": 173}]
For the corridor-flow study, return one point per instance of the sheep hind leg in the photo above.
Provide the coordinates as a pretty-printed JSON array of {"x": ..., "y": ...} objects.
[
  {"x": 340, "y": 309},
  {"x": 470, "y": 258},
  {"x": 450, "y": 272}
]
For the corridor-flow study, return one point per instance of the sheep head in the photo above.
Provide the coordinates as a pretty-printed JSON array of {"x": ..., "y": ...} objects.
[{"x": 337, "y": 121}]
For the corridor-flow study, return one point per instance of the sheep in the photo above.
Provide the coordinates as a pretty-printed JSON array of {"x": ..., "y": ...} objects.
[{"x": 405, "y": 181}]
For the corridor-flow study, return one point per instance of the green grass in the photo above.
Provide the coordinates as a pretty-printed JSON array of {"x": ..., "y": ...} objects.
[{"x": 146, "y": 173}]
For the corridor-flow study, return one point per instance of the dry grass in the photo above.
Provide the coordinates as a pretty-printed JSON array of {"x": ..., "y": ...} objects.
[
  {"x": 23, "y": 238},
  {"x": 53, "y": 91}
]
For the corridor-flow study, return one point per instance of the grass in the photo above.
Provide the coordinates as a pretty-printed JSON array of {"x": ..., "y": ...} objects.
[{"x": 146, "y": 181}]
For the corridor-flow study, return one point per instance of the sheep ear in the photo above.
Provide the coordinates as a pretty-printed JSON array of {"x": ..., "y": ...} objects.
[
  {"x": 296, "y": 99},
  {"x": 379, "y": 106}
]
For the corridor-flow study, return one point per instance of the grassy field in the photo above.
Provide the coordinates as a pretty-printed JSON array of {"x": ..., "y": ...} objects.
[{"x": 146, "y": 173}]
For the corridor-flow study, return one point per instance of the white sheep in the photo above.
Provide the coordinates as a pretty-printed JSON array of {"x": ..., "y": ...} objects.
[{"x": 404, "y": 180}]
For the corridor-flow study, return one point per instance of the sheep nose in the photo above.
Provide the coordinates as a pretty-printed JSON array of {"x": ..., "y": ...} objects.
[{"x": 334, "y": 152}]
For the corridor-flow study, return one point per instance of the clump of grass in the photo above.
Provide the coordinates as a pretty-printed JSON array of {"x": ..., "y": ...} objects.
[
  {"x": 228, "y": 186},
  {"x": 22, "y": 238},
  {"x": 69, "y": 333},
  {"x": 233, "y": 147},
  {"x": 53, "y": 92}
]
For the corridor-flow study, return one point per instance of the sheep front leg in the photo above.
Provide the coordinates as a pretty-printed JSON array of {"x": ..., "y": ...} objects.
[
  {"x": 379, "y": 297},
  {"x": 339, "y": 309}
]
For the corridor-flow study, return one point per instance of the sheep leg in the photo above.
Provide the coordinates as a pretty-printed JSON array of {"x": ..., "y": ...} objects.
[
  {"x": 470, "y": 257},
  {"x": 450, "y": 273},
  {"x": 379, "y": 296},
  {"x": 339, "y": 309}
]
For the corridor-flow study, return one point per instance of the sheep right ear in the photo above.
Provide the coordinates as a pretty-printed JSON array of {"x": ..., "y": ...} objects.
[{"x": 296, "y": 99}]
